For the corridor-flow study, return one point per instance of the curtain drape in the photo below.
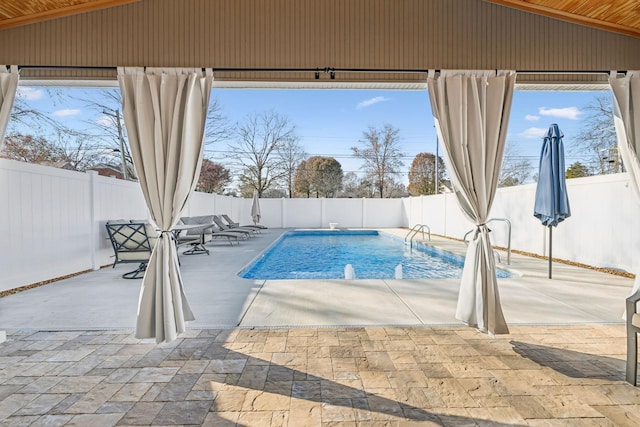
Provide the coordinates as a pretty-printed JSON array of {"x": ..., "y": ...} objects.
[
  {"x": 8, "y": 86},
  {"x": 471, "y": 111},
  {"x": 626, "y": 117},
  {"x": 164, "y": 112}
]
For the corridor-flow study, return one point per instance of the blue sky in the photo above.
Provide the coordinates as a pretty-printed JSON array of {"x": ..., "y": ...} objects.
[{"x": 330, "y": 121}]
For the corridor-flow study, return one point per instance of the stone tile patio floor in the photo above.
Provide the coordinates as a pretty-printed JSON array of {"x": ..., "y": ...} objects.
[{"x": 569, "y": 375}]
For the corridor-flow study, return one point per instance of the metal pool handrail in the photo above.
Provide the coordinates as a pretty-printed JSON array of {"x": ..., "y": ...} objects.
[
  {"x": 508, "y": 236},
  {"x": 414, "y": 231}
]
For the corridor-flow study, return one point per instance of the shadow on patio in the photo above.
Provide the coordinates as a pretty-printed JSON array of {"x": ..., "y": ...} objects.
[{"x": 572, "y": 363}]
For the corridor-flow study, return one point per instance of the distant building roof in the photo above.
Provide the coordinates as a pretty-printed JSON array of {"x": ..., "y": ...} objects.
[
  {"x": 62, "y": 164},
  {"x": 108, "y": 170}
]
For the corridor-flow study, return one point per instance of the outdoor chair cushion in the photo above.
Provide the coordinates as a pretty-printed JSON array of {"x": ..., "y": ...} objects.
[
  {"x": 132, "y": 240},
  {"x": 205, "y": 232},
  {"x": 231, "y": 223},
  {"x": 635, "y": 320},
  {"x": 249, "y": 231}
]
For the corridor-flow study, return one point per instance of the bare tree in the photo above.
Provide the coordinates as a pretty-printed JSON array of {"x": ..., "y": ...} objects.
[
  {"x": 31, "y": 149},
  {"x": 516, "y": 169},
  {"x": 598, "y": 137},
  {"x": 255, "y": 150},
  {"x": 217, "y": 127},
  {"x": 353, "y": 186},
  {"x": 394, "y": 188},
  {"x": 367, "y": 188},
  {"x": 80, "y": 151},
  {"x": 422, "y": 175},
  {"x": 24, "y": 115},
  {"x": 292, "y": 154},
  {"x": 381, "y": 154},
  {"x": 350, "y": 183},
  {"x": 108, "y": 132},
  {"x": 76, "y": 154}
]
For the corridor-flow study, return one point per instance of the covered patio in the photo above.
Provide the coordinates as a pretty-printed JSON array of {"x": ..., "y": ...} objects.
[{"x": 284, "y": 353}]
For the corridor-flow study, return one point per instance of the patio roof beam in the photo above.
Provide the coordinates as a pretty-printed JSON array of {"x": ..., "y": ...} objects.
[
  {"x": 310, "y": 70},
  {"x": 310, "y": 78}
]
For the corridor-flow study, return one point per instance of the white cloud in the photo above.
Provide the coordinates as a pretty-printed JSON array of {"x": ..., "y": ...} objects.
[
  {"x": 531, "y": 117},
  {"x": 533, "y": 133},
  {"x": 66, "y": 112},
  {"x": 29, "y": 93},
  {"x": 370, "y": 102},
  {"x": 105, "y": 121},
  {"x": 572, "y": 113}
]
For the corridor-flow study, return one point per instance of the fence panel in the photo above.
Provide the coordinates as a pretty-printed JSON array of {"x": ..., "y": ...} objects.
[
  {"x": 52, "y": 220},
  {"x": 46, "y": 223}
]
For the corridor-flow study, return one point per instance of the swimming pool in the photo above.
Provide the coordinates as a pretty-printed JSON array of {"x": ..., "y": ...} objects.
[{"x": 373, "y": 255}]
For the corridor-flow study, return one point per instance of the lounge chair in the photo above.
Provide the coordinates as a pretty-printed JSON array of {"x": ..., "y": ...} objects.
[
  {"x": 224, "y": 227},
  {"x": 231, "y": 223},
  {"x": 204, "y": 234},
  {"x": 132, "y": 242}
]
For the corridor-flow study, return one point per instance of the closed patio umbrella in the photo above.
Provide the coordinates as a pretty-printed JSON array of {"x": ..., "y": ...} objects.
[
  {"x": 552, "y": 202},
  {"x": 255, "y": 207}
]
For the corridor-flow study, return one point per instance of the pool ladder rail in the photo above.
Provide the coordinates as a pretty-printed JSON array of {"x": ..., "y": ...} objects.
[
  {"x": 508, "y": 238},
  {"x": 414, "y": 232}
]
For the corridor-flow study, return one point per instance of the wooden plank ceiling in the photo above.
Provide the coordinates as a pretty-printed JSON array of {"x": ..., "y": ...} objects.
[
  {"x": 621, "y": 16},
  {"x": 21, "y": 12}
]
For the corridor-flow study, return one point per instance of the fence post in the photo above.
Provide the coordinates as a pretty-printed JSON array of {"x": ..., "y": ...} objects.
[
  {"x": 282, "y": 213},
  {"x": 364, "y": 211},
  {"x": 94, "y": 233}
]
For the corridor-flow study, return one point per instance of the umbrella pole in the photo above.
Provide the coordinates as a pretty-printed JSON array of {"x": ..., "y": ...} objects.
[{"x": 550, "y": 249}]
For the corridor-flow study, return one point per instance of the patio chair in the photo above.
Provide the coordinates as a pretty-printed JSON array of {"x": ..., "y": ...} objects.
[
  {"x": 224, "y": 227},
  {"x": 231, "y": 223},
  {"x": 202, "y": 234},
  {"x": 633, "y": 329},
  {"x": 132, "y": 242}
]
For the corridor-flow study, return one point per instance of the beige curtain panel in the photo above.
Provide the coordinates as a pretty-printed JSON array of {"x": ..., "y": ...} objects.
[
  {"x": 626, "y": 117},
  {"x": 8, "y": 86},
  {"x": 164, "y": 112},
  {"x": 626, "y": 100},
  {"x": 471, "y": 110}
]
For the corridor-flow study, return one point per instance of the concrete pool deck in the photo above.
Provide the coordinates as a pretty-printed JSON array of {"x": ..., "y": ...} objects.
[{"x": 220, "y": 299}]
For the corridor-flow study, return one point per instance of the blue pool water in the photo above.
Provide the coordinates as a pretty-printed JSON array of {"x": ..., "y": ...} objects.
[{"x": 324, "y": 255}]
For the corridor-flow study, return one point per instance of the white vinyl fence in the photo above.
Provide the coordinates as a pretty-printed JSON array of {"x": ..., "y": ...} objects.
[
  {"x": 52, "y": 220},
  {"x": 603, "y": 230}
]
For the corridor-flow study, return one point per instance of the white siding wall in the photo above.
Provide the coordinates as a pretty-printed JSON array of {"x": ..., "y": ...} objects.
[{"x": 352, "y": 34}]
